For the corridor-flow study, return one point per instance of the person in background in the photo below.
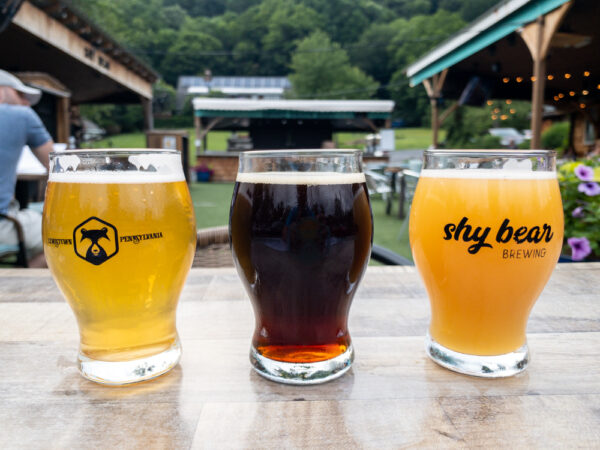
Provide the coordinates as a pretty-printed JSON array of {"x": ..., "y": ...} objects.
[{"x": 20, "y": 126}]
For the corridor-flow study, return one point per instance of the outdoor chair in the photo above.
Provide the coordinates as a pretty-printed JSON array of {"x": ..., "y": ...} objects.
[
  {"x": 14, "y": 255},
  {"x": 406, "y": 183},
  {"x": 212, "y": 248},
  {"x": 378, "y": 184}
]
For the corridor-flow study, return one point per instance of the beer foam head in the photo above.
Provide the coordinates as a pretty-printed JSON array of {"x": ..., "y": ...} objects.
[
  {"x": 482, "y": 174},
  {"x": 307, "y": 178},
  {"x": 151, "y": 168}
]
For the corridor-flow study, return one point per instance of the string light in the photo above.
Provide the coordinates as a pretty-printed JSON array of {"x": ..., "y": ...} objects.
[
  {"x": 572, "y": 93},
  {"x": 519, "y": 79},
  {"x": 582, "y": 105},
  {"x": 490, "y": 103},
  {"x": 561, "y": 95},
  {"x": 508, "y": 102},
  {"x": 496, "y": 110},
  {"x": 512, "y": 110},
  {"x": 503, "y": 117},
  {"x": 585, "y": 92},
  {"x": 550, "y": 77},
  {"x": 494, "y": 116},
  {"x": 556, "y": 98},
  {"x": 586, "y": 73},
  {"x": 505, "y": 80},
  {"x": 567, "y": 75},
  {"x": 598, "y": 87},
  {"x": 533, "y": 79}
]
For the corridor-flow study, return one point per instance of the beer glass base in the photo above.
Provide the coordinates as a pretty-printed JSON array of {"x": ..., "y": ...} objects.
[
  {"x": 302, "y": 373},
  {"x": 126, "y": 372},
  {"x": 496, "y": 366}
]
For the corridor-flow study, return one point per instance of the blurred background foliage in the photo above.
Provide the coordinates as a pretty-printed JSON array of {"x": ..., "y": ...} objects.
[{"x": 355, "y": 48}]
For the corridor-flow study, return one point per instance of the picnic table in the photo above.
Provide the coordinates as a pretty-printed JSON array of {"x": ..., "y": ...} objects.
[{"x": 393, "y": 396}]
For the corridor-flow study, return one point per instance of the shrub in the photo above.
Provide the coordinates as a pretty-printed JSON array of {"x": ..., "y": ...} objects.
[
  {"x": 485, "y": 141},
  {"x": 556, "y": 137}
]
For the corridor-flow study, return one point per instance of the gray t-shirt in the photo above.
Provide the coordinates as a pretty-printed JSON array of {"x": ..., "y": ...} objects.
[{"x": 19, "y": 126}]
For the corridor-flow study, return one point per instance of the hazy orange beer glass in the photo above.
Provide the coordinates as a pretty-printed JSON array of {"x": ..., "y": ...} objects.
[
  {"x": 486, "y": 230},
  {"x": 119, "y": 237}
]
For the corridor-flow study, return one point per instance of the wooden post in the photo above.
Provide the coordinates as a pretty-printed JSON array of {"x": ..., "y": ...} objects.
[
  {"x": 434, "y": 92},
  {"x": 148, "y": 116},
  {"x": 198, "y": 137},
  {"x": 435, "y": 123},
  {"x": 537, "y": 102},
  {"x": 538, "y": 35},
  {"x": 63, "y": 120}
]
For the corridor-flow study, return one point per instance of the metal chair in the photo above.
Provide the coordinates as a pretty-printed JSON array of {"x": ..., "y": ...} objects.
[
  {"x": 378, "y": 184},
  {"x": 406, "y": 183},
  {"x": 14, "y": 255}
]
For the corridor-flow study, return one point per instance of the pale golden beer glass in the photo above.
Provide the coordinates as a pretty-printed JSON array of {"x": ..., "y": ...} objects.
[
  {"x": 119, "y": 237},
  {"x": 486, "y": 230}
]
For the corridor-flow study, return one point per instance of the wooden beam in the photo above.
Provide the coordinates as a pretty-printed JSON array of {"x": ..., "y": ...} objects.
[
  {"x": 209, "y": 127},
  {"x": 51, "y": 31},
  {"x": 447, "y": 113},
  {"x": 440, "y": 82},
  {"x": 537, "y": 36},
  {"x": 370, "y": 124},
  {"x": 428, "y": 88}
]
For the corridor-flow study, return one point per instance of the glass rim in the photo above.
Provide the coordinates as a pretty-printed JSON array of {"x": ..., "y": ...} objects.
[
  {"x": 500, "y": 153},
  {"x": 114, "y": 152},
  {"x": 303, "y": 152}
]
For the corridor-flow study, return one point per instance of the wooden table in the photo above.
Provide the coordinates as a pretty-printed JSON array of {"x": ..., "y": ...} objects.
[{"x": 393, "y": 396}]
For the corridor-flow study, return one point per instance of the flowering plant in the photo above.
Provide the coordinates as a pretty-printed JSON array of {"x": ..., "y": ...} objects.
[
  {"x": 203, "y": 168},
  {"x": 580, "y": 190}
]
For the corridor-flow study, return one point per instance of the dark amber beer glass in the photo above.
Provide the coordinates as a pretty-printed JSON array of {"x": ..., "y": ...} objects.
[
  {"x": 486, "y": 230},
  {"x": 119, "y": 237},
  {"x": 301, "y": 233}
]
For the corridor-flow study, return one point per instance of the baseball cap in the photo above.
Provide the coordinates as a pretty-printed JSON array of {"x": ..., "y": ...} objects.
[{"x": 33, "y": 95}]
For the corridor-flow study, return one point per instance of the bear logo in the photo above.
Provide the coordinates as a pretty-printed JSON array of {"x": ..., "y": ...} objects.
[{"x": 95, "y": 240}]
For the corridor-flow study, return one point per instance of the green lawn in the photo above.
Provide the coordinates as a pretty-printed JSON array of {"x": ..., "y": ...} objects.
[
  {"x": 406, "y": 138},
  {"x": 211, "y": 203},
  {"x": 212, "y": 200},
  {"x": 216, "y": 141}
]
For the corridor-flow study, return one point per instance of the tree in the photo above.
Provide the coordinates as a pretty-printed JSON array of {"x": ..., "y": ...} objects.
[
  {"x": 412, "y": 41},
  {"x": 410, "y": 8},
  {"x": 322, "y": 69},
  {"x": 287, "y": 24},
  {"x": 187, "y": 56},
  {"x": 372, "y": 52}
]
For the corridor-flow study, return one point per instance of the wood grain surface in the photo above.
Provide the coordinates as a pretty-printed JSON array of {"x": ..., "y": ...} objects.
[{"x": 393, "y": 397}]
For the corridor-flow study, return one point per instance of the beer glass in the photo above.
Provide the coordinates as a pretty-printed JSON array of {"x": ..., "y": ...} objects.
[
  {"x": 119, "y": 237},
  {"x": 486, "y": 230},
  {"x": 301, "y": 232}
]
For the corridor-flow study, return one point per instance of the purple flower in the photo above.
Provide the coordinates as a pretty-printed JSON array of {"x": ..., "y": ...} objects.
[
  {"x": 578, "y": 212},
  {"x": 584, "y": 173},
  {"x": 590, "y": 188},
  {"x": 580, "y": 248}
]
